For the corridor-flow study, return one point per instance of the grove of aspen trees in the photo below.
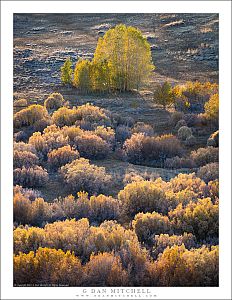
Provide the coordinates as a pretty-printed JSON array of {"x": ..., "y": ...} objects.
[{"x": 78, "y": 223}]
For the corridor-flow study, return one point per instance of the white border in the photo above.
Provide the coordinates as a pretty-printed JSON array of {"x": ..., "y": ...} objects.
[{"x": 221, "y": 7}]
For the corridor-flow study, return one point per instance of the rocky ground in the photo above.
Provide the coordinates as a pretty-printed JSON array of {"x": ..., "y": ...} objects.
[{"x": 184, "y": 46}]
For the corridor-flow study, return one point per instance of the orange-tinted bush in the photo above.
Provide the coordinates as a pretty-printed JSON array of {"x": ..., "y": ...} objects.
[
  {"x": 92, "y": 146},
  {"x": 61, "y": 156},
  {"x": 80, "y": 175},
  {"x": 29, "y": 116},
  {"x": 140, "y": 148},
  {"x": 48, "y": 266},
  {"x": 178, "y": 266},
  {"x": 54, "y": 101},
  {"x": 105, "y": 269},
  {"x": 148, "y": 225},
  {"x": 199, "y": 218},
  {"x": 143, "y": 196}
]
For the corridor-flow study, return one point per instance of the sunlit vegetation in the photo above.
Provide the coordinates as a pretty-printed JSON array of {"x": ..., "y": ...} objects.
[
  {"x": 107, "y": 199},
  {"x": 54, "y": 101},
  {"x": 80, "y": 175},
  {"x": 122, "y": 61}
]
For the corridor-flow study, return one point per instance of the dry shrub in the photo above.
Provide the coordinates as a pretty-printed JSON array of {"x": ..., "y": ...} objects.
[
  {"x": 179, "y": 162},
  {"x": 21, "y": 146},
  {"x": 31, "y": 194},
  {"x": 141, "y": 127},
  {"x": 209, "y": 172},
  {"x": 143, "y": 196},
  {"x": 189, "y": 182},
  {"x": 140, "y": 148},
  {"x": 63, "y": 117},
  {"x": 61, "y": 156},
  {"x": 175, "y": 118},
  {"x": 184, "y": 132},
  {"x": 180, "y": 124},
  {"x": 41, "y": 124},
  {"x": 48, "y": 266},
  {"x": 30, "y": 177},
  {"x": 71, "y": 133},
  {"x": 105, "y": 269},
  {"x": 195, "y": 267},
  {"x": 24, "y": 158},
  {"x": 147, "y": 225},
  {"x": 20, "y": 136},
  {"x": 87, "y": 113},
  {"x": 122, "y": 133},
  {"x": 77, "y": 236},
  {"x": 52, "y": 138},
  {"x": 20, "y": 104},
  {"x": 162, "y": 241},
  {"x": 106, "y": 133},
  {"x": 92, "y": 146},
  {"x": 80, "y": 175},
  {"x": 200, "y": 218},
  {"x": 54, "y": 101},
  {"x": 29, "y": 116},
  {"x": 103, "y": 208},
  {"x": 204, "y": 156}
]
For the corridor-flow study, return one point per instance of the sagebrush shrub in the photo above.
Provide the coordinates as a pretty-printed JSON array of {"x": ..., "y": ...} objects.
[
  {"x": 199, "y": 218},
  {"x": 162, "y": 241},
  {"x": 203, "y": 156},
  {"x": 54, "y": 101},
  {"x": 122, "y": 133},
  {"x": 209, "y": 172},
  {"x": 105, "y": 269},
  {"x": 143, "y": 196},
  {"x": 30, "y": 177},
  {"x": 184, "y": 132},
  {"x": 20, "y": 104},
  {"x": 141, "y": 127},
  {"x": 195, "y": 267},
  {"x": 48, "y": 265},
  {"x": 92, "y": 146},
  {"x": 80, "y": 175},
  {"x": 29, "y": 116},
  {"x": 179, "y": 162},
  {"x": 61, "y": 156},
  {"x": 21, "y": 146},
  {"x": 107, "y": 134},
  {"x": 24, "y": 158},
  {"x": 51, "y": 138},
  {"x": 147, "y": 225}
]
